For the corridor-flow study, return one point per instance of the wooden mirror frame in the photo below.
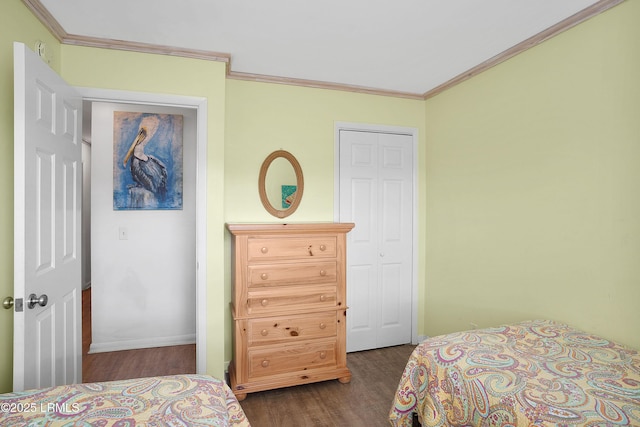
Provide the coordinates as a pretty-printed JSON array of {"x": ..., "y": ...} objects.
[{"x": 280, "y": 213}]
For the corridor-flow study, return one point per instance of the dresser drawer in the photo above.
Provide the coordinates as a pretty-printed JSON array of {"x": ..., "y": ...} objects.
[
  {"x": 292, "y": 358},
  {"x": 264, "y": 248},
  {"x": 299, "y": 298},
  {"x": 291, "y": 328},
  {"x": 283, "y": 274}
]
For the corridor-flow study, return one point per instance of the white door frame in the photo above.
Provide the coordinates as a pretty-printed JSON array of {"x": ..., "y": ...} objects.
[
  {"x": 200, "y": 105},
  {"x": 413, "y": 132}
]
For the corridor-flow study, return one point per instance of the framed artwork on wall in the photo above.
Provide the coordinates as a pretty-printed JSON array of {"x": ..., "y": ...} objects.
[{"x": 147, "y": 161}]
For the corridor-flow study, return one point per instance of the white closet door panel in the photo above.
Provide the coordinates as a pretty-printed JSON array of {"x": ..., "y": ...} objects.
[
  {"x": 362, "y": 315},
  {"x": 391, "y": 309},
  {"x": 361, "y": 318},
  {"x": 376, "y": 176}
]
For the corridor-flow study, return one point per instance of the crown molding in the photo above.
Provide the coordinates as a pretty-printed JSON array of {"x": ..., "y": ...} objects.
[
  {"x": 76, "y": 40},
  {"x": 321, "y": 85},
  {"x": 570, "y": 22},
  {"x": 36, "y": 7}
]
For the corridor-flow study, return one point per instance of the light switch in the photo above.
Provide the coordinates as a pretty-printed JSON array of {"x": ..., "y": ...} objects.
[{"x": 123, "y": 233}]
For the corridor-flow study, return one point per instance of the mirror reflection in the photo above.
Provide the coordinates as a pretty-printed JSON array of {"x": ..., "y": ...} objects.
[{"x": 280, "y": 184}]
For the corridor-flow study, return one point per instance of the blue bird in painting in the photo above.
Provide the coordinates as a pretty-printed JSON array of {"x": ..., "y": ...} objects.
[{"x": 147, "y": 171}]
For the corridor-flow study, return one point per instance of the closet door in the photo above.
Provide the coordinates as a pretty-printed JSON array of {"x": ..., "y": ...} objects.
[{"x": 376, "y": 193}]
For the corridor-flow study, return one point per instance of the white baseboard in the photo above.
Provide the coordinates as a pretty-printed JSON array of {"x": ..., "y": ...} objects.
[{"x": 142, "y": 343}]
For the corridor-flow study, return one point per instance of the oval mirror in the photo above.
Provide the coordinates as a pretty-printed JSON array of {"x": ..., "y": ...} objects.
[{"x": 280, "y": 184}]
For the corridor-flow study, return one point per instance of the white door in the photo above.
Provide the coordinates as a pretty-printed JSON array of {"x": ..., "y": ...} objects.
[
  {"x": 376, "y": 193},
  {"x": 47, "y": 218}
]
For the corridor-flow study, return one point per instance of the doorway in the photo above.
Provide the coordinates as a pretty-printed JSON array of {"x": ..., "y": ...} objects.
[
  {"x": 131, "y": 327},
  {"x": 376, "y": 189}
]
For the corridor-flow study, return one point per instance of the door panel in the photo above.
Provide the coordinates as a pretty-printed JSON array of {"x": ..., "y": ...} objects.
[
  {"x": 391, "y": 313},
  {"x": 47, "y": 189},
  {"x": 358, "y": 201},
  {"x": 376, "y": 193},
  {"x": 396, "y": 237},
  {"x": 361, "y": 326}
]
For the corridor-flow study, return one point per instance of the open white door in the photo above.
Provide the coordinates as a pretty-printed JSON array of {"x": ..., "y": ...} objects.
[{"x": 47, "y": 218}]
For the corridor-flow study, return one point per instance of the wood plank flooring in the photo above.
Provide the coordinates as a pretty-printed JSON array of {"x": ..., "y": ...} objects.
[
  {"x": 365, "y": 401},
  {"x": 120, "y": 365}
]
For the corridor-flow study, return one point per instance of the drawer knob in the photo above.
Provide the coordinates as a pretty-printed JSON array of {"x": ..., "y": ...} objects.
[
  {"x": 265, "y": 363},
  {"x": 323, "y": 354},
  {"x": 322, "y": 326},
  {"x": 264, "y": 332},
  {"x": 264, "y": 276},
  {"x": 323, "y": 273},
  {"x": 323, "y": 298},
  {"x": 264, "y": 302},
  {"x": 264, "y": 249},
  {"x": 323, "y": 248}
]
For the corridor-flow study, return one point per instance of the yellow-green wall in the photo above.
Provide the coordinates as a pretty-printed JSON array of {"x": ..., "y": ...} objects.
[
  {"x": 262, "y": 118},
  {"x": 527, "y": 174},
  {"x": 246, "y": 121},
  {"x": 112, "y": 69},
  {"x": 532, "y": 187}
]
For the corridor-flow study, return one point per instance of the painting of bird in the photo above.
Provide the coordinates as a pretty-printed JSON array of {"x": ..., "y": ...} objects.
[
  {"x": 146, "y": 170},
  {"x": 145, "y": 178}
]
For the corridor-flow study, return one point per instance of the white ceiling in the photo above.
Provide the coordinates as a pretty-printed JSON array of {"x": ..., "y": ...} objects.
[{"x": 407, "y": 46}]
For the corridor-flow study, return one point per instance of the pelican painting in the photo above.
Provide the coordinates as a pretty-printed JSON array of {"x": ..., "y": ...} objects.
[{"x": 147, "y": 161}]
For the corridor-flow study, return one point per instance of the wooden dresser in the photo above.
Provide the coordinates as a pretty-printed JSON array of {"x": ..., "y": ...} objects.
[{"x": 288, "y": 302}]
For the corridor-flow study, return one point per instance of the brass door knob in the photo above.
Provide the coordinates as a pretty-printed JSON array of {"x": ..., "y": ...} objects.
[{"x": 7, "y": 303}]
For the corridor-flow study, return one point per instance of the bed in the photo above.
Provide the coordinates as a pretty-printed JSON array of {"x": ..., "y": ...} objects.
[
  {"x": 535, "y": 373},
  {"x": 178, "y": 400}
]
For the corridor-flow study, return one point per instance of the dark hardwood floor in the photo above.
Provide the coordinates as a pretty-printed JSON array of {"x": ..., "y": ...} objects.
[
  {"x": 365, "y": 401},
  {"x": 120, "y": 365}
]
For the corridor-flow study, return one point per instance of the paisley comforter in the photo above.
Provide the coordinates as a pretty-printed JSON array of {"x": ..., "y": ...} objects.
[
  {"x": 536, "y": 373},
  {"x": 179, "y": 400}
]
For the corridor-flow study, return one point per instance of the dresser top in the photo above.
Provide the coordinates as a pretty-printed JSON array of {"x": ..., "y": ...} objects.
[{"x": 298, "y": 227}]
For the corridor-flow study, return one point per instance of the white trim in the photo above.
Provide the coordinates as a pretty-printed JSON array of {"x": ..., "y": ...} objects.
[
  {"x": 141, "y": 343},
  {"x": 413, "y": 132},
  {"x": 200, "y": 105}
]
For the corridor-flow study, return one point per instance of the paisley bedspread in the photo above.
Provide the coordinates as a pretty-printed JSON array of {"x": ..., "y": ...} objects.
[
  {"x": 536, "y": 373},
  {"x": 179, "y": 400}
]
